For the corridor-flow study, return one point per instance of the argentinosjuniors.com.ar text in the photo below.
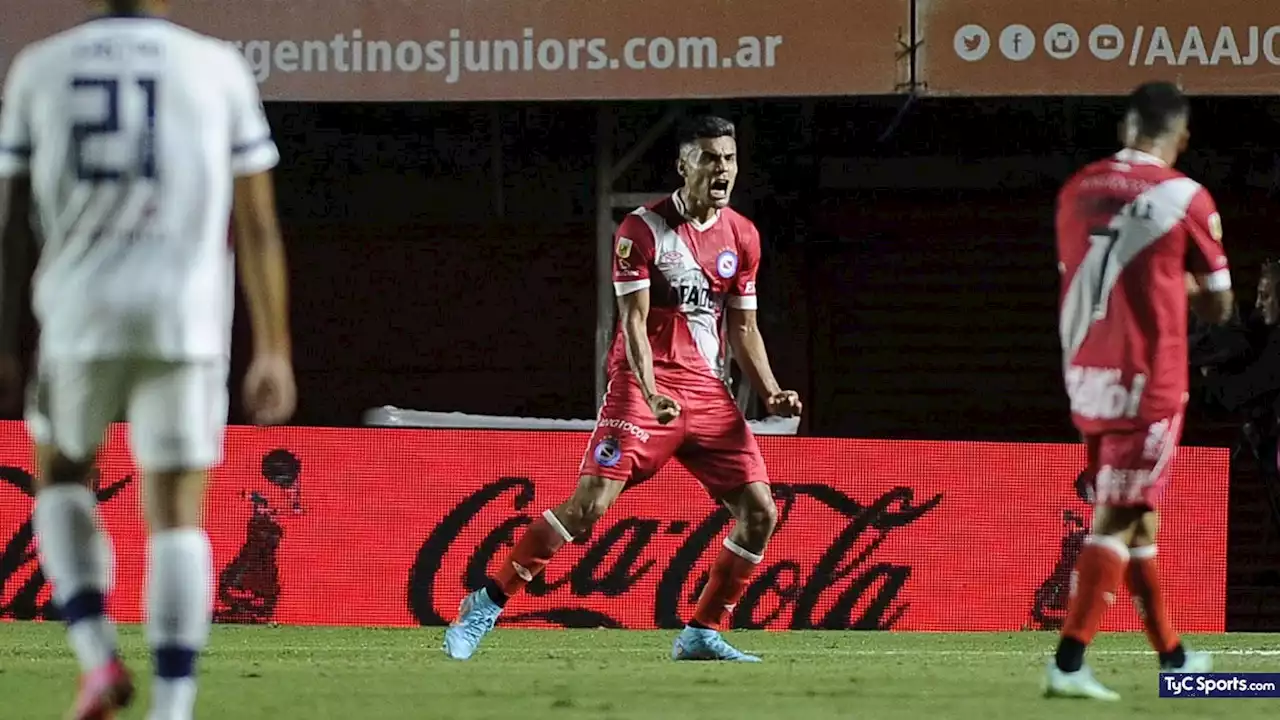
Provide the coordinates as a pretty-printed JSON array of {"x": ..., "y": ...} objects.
[{"x": 459, "y": 56}]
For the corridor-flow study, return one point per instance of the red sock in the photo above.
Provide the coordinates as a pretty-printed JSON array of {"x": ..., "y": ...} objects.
[
  {"x": 1144, "y": 585},
  {"x": 531, "y": 554},
  {"x": 1097, "y": 577},
  {"x": 724, "y": 589}
]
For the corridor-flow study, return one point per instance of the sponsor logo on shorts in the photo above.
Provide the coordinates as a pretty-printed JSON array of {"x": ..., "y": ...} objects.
[
  {"x": 626, "y": 427},
  {"x": 1121, "y": 486},
  {"x": 608, "y": 452},
  {"x": 727, "y": 263},
  {"x": 522, "y": 571},
  {"x": 1098, "y": 393}
]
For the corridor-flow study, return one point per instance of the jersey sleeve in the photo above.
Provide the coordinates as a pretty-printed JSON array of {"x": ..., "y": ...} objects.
[
  {"x": 742, "y": 294},
  {"x": 1205, "y": 254},
  {"x": 15, "y": 125},
  {"x": 632, "y": 256},
  {"x": 252, "y": 148}
]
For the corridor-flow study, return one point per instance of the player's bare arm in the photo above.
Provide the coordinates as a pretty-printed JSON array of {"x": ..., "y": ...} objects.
[
  {"x": 270, "y": 393},
  {"x": 633, "y": 308},
  {"x": 753, "y": 358},
  {"x": 16, "y": 239}
]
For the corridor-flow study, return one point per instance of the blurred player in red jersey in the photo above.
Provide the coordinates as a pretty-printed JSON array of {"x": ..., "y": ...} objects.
[
  {"x": 1138, "y": 242},
  {"x": 678, "y": 266}
]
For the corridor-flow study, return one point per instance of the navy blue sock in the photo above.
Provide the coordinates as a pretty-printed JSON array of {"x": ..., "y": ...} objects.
[
  {"x": 172, "y": 663},
  {"x": 88, "y": 605},
  {"x": 495, "y": 593},
  {"x": 1175, "y": 658},
  {"x": 1070, "y": 654}
]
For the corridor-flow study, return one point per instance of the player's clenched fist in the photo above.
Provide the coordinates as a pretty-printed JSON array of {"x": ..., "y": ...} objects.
[
  {"x": 664, "y": 408},
  {"x": 270, "y": 395},
  {"x": 784, "y": 403}
]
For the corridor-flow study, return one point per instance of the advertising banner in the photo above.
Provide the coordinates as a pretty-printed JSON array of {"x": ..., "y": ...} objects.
[
  {"x": 459, "y": 50},
  {"x": 393, "y": 527},
  {"x": 1097, "y": 47}
]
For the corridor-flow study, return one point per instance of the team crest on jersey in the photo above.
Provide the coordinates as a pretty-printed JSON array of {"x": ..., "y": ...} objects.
[
  {"x": 1215, "y": 227},
  {"x": 608, "y": 452},
  {"x": 727, "y": 264},
  {"x": 624, "y": 247}
]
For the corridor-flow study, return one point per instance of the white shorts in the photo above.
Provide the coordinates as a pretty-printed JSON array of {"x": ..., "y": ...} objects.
[{"x": 177, "y": 411}]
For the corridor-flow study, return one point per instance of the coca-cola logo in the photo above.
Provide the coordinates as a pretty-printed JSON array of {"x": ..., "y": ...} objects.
[
  {"x": 846, "y": 587},
  {"x": 22, "y": 581}
]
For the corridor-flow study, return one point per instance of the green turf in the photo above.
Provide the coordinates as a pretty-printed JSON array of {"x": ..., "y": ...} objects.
[{"x": 261, "y": 673}]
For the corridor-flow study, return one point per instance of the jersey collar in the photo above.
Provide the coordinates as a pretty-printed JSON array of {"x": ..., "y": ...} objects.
[
  {"x": 684, "y": 212},
  {"x": 1138, "y": 157}
]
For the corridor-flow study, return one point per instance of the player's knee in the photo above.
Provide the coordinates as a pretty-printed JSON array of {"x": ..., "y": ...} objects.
[
  {"x": 588, "y": 504},
  {"x": 762, "y": 517},
  {"x": 174, "y": 499}
]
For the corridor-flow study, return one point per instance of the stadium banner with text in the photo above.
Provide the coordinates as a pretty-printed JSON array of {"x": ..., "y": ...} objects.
[
  {"x": 459, "y": 50},
  {"x": 387, "y": 527},
  {"x": 1097, "y": 47}
]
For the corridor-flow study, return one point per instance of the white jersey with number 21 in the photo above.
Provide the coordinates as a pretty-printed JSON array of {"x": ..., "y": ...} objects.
[{"x": 132, "y": 130}]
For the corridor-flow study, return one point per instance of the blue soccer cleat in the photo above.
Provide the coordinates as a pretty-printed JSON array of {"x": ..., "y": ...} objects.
[
  {"x": 703, "y": 644},
  {"x": 476, "y": 617}
]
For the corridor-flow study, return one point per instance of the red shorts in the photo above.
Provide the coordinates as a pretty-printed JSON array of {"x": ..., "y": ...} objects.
[
  {"x": 1131, "y": 469},
  {"x": 711, "y": 438}
]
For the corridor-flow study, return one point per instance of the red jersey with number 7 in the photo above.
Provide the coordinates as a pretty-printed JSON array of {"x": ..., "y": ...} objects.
[{"x": 1129, "y": 229}]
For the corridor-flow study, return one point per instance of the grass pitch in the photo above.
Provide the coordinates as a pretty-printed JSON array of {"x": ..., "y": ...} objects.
[{"x": 264, "y": 673}]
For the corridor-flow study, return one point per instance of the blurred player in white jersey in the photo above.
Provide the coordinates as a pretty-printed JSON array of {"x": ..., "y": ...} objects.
[{"x": 133, "y": 141}]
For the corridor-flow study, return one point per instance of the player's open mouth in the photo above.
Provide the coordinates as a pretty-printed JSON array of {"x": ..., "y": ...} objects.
[{"x": 719, "y": 189}]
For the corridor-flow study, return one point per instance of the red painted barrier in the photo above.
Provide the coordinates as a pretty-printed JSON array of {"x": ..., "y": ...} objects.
[{"x": 390, "y": 527}]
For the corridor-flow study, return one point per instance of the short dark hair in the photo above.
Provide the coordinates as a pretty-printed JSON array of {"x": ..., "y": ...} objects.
[
  {"x": 1154, "y": 107},
  {"x": 705, "y": 127}
]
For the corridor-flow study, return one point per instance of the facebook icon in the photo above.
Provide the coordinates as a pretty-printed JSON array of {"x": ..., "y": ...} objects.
[{"x": 1017, "y": 42}]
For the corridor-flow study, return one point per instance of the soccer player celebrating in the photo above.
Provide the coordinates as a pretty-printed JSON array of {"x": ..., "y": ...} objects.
[
  {"x": 678, "y": 265},
  {"x": 1136, "y": 240},
  {"x": 136, "y": 140}
]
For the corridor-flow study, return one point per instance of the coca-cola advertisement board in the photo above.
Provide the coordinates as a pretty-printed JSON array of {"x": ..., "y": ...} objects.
[{"x": 383, "y": 527}]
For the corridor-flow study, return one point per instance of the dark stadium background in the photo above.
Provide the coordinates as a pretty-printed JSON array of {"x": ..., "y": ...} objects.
[{"x": 443, "y": 258}]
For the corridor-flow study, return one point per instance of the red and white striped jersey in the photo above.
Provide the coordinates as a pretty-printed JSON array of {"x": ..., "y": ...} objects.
[
  {"x": 1129, "y": 227},
  {"x": 692, "y": 270}
]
